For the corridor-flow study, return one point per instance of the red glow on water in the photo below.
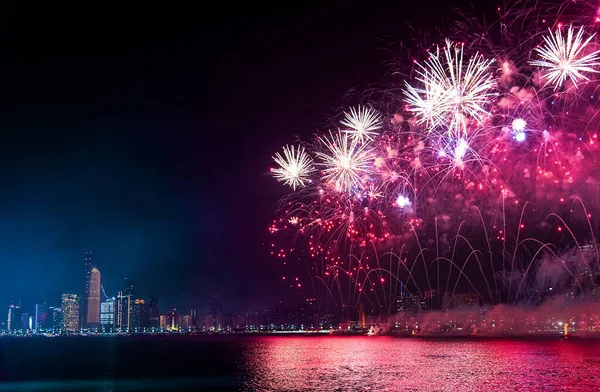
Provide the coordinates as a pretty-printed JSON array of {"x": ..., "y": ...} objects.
[{"x": 353, "y": 363}]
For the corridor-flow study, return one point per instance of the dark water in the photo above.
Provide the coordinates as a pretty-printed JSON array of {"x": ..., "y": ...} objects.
[{"x": 298, "y": 363}]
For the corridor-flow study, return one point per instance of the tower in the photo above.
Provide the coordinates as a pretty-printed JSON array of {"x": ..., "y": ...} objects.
[
  {"x": 93, "y": 300},
  {"x": 86, "y": 288},
  {"x": 124, "y": 309},
  {"x": 14, "y": 317}
]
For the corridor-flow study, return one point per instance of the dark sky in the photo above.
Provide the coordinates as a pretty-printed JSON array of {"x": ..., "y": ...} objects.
[{"x": 144, "y": 135}]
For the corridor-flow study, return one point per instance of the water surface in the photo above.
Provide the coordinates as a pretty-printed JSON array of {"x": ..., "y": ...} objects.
[{"x": 297, "y": 363}]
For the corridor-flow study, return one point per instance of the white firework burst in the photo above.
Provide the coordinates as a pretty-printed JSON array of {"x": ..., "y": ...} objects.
[
  {"x": 362, "y": 122},
  {"x": 567, "y": 57},
  {"x": 345, "y": 162},
  {"x": 453, "y": 90},
  {"x": 295, "y": 167}
]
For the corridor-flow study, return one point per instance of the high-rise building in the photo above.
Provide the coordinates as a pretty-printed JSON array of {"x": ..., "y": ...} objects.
[
  {"x": 216, "y": 311},
  {"x": 86, "y": 288},
  {"x": 128, "y": 287},
  {"x": 153, "y": 316},
  {"x": 172, "y": 320},
  {"x": 40, "y": 317},
  {"x": 70, "y": 312},
  {"x": 14, "y": 317},
  {"x": 407, "y": 305},
  {"x": 125, "y": 302},
  {"x": 107, "y": 315},
  {"x": 162, "y": 322},
  {"x": 139, "y": 315},
  {"x": 54, "y": 320},
  {"x": 185, "y": 323},
  {"x": 93, "y": 300}
]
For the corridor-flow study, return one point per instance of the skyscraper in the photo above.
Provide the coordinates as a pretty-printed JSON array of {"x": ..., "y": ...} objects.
[
  {"x": 40, "y": 317},
  {"x": 86, "y": 288},
  {"x": 125, "y": 301},
  {"x": 54, "y": 320},
  {"x": 70, "y": 312},
  {"x": 139, "y": 315},
  {"x": 93, "y": 302},
  {"x": 153, "y": 316},
  {"x": 14, "y": 317},
  {"x": 107, "y": 315}
]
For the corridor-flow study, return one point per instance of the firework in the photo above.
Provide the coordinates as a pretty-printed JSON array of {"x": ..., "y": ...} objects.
[
  {"x": 567, "y": 57},
  {"x": 295, "y": 167},
  {"x": 363, "y": 124},
  {"x": 454, "y": 90},
  {"x": 477, "y": 145},
  {"x": 345, "y": 162}
]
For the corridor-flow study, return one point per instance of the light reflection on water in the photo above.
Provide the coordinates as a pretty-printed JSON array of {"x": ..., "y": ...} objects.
[
  {"x": 298, "y": 363},
  {"x": 392, "y": 364}
]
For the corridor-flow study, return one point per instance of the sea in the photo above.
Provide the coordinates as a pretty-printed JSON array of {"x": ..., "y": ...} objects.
[{"x": 298, "y": 363}]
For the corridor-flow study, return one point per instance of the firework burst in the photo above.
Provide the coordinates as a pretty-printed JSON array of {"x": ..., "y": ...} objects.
[
  {"x": 567, "y": 57},
  {"x": 363, "y": 123},
  {"x": 453, "y": 90},
  {"x": 295, "y": 167},
  {"x": 345, "y": 162}
]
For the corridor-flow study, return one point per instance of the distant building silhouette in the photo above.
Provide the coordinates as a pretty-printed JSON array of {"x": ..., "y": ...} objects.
[
  {"x": 153, "y": 316},
  {"x": 70, "y": 312},
  {"x": 54, "y": 319}
]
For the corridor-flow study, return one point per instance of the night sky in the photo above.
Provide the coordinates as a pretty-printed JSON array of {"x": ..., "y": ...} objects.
[{"x": 145, "y": 135}]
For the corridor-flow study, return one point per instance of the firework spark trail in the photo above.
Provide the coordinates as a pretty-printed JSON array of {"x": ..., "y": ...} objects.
[{"x": 480, "y": 134}]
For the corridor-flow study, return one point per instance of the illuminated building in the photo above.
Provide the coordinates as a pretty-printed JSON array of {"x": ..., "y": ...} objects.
[
  {"x": 162, "y": 322},
  {"x": 86, "y": 289},
  {"x": 124, "y": 309},
  {"x": 14, "y": 317},
  {"x": 186, "y": 322},
  {"x": 93, "y": 299},
  {"x": 70, "y": 312},
  {"x": 123, "y": 312},
  {"x": 40, "y": 317},
  {"x": 172, "y": 320},
  {"x": 407, "y": 305},
  {"x": 139, "y": 315},
  {"x": 107, "y": 315}
]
